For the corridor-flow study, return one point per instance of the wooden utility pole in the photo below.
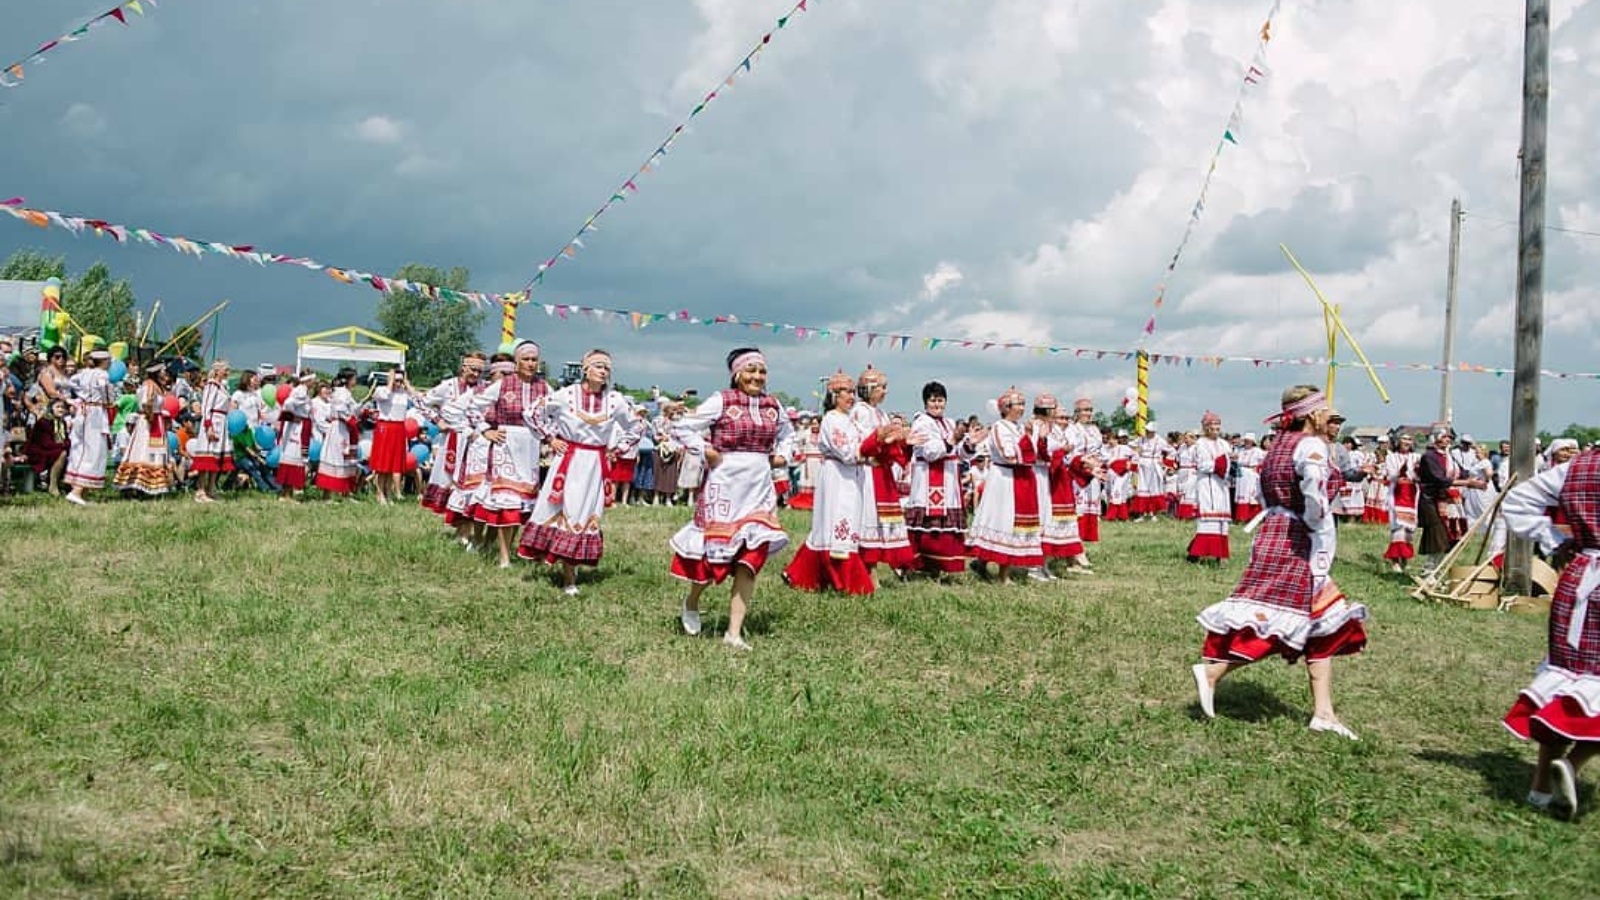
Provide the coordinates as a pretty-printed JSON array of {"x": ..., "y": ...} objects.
[
  {"x": 1446, "y": 414},
  {"x": 1530, "y": 271}
]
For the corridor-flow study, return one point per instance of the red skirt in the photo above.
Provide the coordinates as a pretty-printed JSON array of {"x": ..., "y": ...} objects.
[
  {"x": 1209, "y": 546},
  {"x": 291, "y": 476},
  {"x": 940, "y": 551},
  {"x": 805, "y": 499},
  {"x": 814, "y": 570},
  {"x": 621, "y": 471},
  {"x": 1089, "y": 528},
  {"x": 389, "y": 448},
  {"x": 1399, "y": 551},
  {"x": 701, "y": 571},
  {"x": 1244, "y": 512}
]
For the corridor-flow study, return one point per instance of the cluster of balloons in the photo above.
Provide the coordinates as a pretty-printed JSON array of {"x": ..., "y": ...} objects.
[
  {"x": 1130, "y": 401},
  {"x": 273, "y": 394}
]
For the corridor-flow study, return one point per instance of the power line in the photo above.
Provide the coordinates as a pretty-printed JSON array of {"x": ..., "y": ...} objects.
[{"x": 1500, "y": 221}]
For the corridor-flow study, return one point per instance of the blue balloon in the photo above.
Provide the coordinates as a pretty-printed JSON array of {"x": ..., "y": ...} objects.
[
  {"x": 421, "y": 451},
  {"x": 364, "y": 449},
  {"x": 265, "y": 439},
  {"x": 315, "y": 453},
  {"x": 433, "y": 433},
  {"x": 119, "y": 371},
  {"x": 274, "y": 458},
  {"x": 172, "y": 442},
  {"x": 237, "y": 422}
]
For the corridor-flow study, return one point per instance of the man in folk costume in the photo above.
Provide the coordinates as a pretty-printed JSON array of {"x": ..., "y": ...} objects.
[
  {"x": 734, "y": 531},
  {"x": 213, "y": 450},
  {"x": 1005, "y": 526},
  {"x": 95, "y": 400},
  {"x": 1400, "y": 470},
  {"x": 1085, "y": 442},
  {"x": 448, "y": 443},
  {"x": 882, "y": 526},
  {"x": 1247, "y": 487},
  {"x": 338, "y": 473},
  {"x": 831, "y": 554},
  {"x": 1121, "y": 463},
  {"x": 1560, "y": 709},
  {"x": 1286, "y": 603},
  {"x": 1150, "y": 484},
  {"x": 583, "y": 423},
  {"x": 1211, "y": 454},
  {"x": 935, "y": 515},
  {"x": 507, "y": 417},
  {"x": 295, "y": 434}
]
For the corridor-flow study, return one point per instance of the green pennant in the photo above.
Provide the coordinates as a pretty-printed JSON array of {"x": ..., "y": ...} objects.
[{"x": 1228, "y": 136}]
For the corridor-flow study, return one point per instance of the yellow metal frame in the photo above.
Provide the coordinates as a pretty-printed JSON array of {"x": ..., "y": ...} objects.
[{"x": 350, "y": 333}]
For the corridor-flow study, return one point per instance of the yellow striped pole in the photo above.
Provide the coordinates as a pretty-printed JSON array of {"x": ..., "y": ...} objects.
[
  {"x": 508, "y": 325},
  {"x": 1143, "y": 384}
]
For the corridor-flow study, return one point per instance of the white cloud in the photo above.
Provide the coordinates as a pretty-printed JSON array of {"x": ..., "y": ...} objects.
[
  {"x": 945, "y": 275},
  {"x": 379, "y": 130}
]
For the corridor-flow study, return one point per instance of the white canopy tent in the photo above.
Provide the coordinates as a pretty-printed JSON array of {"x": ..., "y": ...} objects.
[{"x": 350, "y": 344}]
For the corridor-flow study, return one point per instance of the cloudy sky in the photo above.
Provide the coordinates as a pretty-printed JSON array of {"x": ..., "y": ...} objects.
[{"x": 1009, "y": 170}]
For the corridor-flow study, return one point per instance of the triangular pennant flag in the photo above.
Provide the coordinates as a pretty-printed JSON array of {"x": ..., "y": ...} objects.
[
  {"x": 134, "y": 5},
  {"x": 118, "y": 15}
]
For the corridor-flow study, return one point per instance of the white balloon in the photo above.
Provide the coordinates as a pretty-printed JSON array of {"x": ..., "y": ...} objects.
[
  {"x": 1131, "y": 393},
  {"x": 991, "y": 407}
]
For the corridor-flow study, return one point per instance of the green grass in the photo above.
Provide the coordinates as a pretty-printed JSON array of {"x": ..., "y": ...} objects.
[{"x": 258, "y": 699}]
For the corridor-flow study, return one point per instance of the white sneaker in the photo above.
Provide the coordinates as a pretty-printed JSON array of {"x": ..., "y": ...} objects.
[
  {"x": 1564, "y": 788},
  {"x": 77, "y": 500},
  {"x": 690, "y": 619},
  {"x": 1203, "y": 688},
  {"x": 1332, "y": 727},
  {"x": 1039, "y": 574},
  {"x": 736, "y": 642},
  {"x": 570, "y": 590}
]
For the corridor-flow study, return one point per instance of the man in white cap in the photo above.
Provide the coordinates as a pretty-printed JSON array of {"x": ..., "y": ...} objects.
[{"x": 1150, "y": 487}]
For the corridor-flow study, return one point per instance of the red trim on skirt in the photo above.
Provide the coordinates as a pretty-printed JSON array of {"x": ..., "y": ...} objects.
[
  {"x": 621, "y": 471},
  {"x": 814, "y": 570},
  {"x": 1560, "y": 720},
  {"x": 1020, "y": 560},
  {"x": 335, "y": 485},
  {"x": 1244, "y": 512},
  {"x": 700, "y": 571},
  {"x": 1209, "y": 546},
  {"x": 940, "y": 551},
  {"x": 1061, "y": 549},
  {"x": 388, "y": 455},
  {"x": 1116, "y": 512},
  {"x": 291, "y": 476},
  {"x": 1089, "y": 528},
  {"x": 497, "y": 518},
  {"x": 1399, "y": 550},
  {"x": 434, "y": 497},
  {"x": 208, "y": 463},
  {"x": 1245, "y": 646},
  {"x": 1374, "y": 515},
  {"x": 1188, "y": 512},
  {"x": 894, "y": 557}
]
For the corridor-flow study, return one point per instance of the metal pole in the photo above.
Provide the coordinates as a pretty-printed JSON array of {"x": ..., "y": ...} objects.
[
  {"x": 1446, "y": 414},
  {"x": 1530, "y": 271}
]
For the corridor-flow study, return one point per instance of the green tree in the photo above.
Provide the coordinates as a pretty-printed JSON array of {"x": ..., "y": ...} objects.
[
  {"x": 99, "y": 304},
  {"x": 437, "y": 333},
  {"x": 1118, "y": 419}
]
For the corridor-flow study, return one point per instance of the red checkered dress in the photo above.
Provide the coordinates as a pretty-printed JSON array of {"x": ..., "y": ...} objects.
[{"x": 1276, "y": 607}]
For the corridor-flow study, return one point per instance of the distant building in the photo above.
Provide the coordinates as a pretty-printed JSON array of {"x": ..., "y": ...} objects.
[{"x": 19, "y": 305}]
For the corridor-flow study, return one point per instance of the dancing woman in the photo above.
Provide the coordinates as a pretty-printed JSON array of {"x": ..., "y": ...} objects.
[
  {"x": 1560, "y": 709},
  {"x": 735, "y": 528},
  {"x": 1286, "y": 604},
  {"x": 505, "y": 416},
  {"x": 831, "y": 555},
  {"x": 584, "y": 422}
]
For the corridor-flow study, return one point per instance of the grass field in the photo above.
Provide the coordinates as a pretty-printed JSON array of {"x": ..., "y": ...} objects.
[{"x": 260, "y": 699}]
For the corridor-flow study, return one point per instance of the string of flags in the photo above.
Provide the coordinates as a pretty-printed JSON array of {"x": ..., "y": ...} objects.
[
  {"x": 13, "y": 74},
  {"x": 630, "y": 185},
  {"x": 1254, "y": 74},
  {"x": 124, "y": 234}
]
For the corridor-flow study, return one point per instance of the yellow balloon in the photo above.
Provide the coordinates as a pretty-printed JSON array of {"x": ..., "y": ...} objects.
[
  {"x": 119, "y": 350},
  {"x": 62, "y": 319},
  {"x": 89, "y": 343}
]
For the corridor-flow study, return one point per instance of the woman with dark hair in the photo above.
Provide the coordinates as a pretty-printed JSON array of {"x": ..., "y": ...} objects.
[
  {"x": 1286, "y": 604},
  {"x": 1559, "y": 708},
  {"x": 338, "y": 472},
  {"x": 247, "y": 398},
  {"x": 735, "y": 527},
  {"x": 831, "y": 555},
  {"x": 144, "y": 468},
  {"x": 584, "y": 422},
  {"x": 47, "y": 445},
  {"x": 935, "y": 515}
]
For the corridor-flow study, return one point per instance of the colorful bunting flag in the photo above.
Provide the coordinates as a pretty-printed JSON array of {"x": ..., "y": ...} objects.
[
  {"x": 16, "y": 70},
  {"x": 570, "y": 249}
]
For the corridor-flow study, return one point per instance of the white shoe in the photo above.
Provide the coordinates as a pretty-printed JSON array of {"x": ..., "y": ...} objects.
[
  {"x": 736, "y": 642},
  {"x": 1039, "y": 575},
  {"x": 690, "y": 619},
  {"x": 77, "y": 500},
  {"x": 570, "y": 590},
  {"x": 1564, "y": 788},
  {"x": 1333, "y": 727},
  {"x": 1203, "y": 688}
]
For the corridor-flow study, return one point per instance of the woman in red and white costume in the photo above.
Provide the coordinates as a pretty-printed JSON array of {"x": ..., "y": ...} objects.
[
  {"x": 1005, "y": 527},
  {"x": 831, "y": 554},
  {"x": 1058, "y": 505},
  {"x": 296, "y": 430},
  {"x": 470, "y": 483},
  {"x": 1121, "y": 462},
  {"x": 1286, "y": 603},
  {"x": 508, "y": 418},
  {"x": 1150, "y": 482},
  {"x": 583, "y": 422},
  {"x": 1247, "y": 489},
  {"x": 1212, "y": 504},
  {"x": 935, "y": 516},
  {"x": 1400, "y": 470},
  {"x": 1561, "y": 708},
  {"x": 735, "y": 527},
  {"x": 882, "y": 523},
  {"x": 1186, "y": 478},
  {"x": 449, "y": 443},
  {"x": 1085, "y": 443},
  {"x": 393, "y": 400},
  {"x": 144, "y": 469},
  {"x": 213, "y": 446},
  {"x": 337, "y": 471},
  {"x": 808, "y": 453}
]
